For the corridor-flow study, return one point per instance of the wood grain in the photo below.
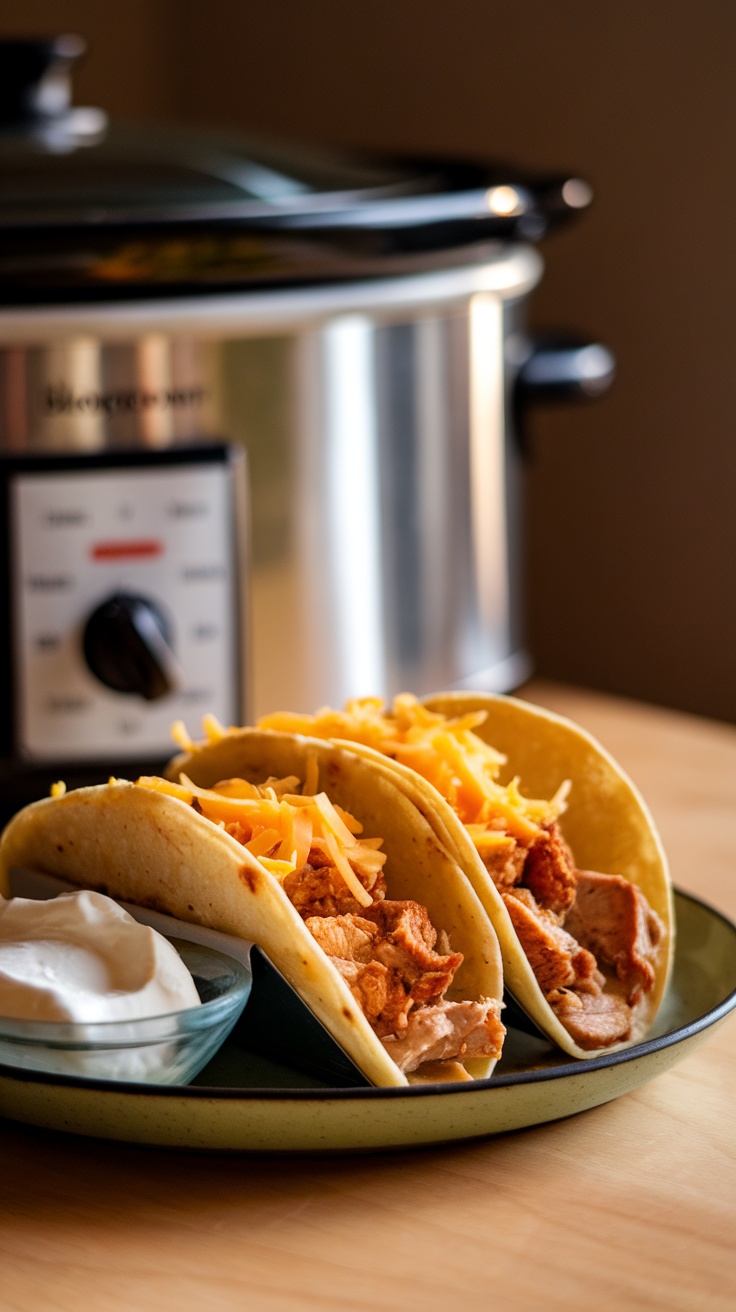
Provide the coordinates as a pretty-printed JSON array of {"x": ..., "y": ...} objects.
[{"x": 631, "y": 1205}]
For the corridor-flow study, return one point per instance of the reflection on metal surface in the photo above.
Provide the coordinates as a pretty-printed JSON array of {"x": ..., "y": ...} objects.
[
  {"x": 487, "y": 456},
  {"x": 67, "y": 370},
  {"x": 352, "y": 509},
  {"x": 504, "y": 200},
  {"x": 577, "y": 193},
  {"x": 433, "y": 497},
  {"x": 154, "y": 380}
]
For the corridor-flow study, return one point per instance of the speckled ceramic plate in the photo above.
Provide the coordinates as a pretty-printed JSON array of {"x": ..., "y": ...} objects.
[{"x": 242, "y": 1103}]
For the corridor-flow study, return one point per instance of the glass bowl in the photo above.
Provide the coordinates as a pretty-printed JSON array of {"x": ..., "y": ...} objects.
[{"x": 168, "y": 1049}]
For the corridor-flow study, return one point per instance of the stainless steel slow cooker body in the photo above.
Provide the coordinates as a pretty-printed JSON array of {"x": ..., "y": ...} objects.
[{"x": 385, "y": 544}]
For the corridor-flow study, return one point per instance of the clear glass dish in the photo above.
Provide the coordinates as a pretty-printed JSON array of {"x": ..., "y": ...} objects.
[{"x": 169, "y": 1049}]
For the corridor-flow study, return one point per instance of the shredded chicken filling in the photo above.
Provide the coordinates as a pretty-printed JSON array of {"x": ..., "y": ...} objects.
[
  {"x": 570, "y": 923},
  {"x": 592, "y": 940},
  {"x": 398, "y": 968},
  {"x": 396, "y": 964}
]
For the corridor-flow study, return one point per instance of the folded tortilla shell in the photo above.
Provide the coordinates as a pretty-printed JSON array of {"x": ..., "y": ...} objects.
[{"x": 607, "y": 825}]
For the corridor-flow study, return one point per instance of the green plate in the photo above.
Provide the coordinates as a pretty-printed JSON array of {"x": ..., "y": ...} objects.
[{"x": 244, "y": 1103}]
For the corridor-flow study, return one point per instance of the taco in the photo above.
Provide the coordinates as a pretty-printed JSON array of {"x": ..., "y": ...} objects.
[
  {"x": 311, "y": 852},
  {"x": 576, "y": 884}
]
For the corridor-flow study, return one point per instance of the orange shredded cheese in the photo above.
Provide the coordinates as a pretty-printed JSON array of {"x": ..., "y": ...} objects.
[
  {"x": 263, "y": 842},
  {"x": 237, "y": 788},
  {"x": 445, "y": 751},
  {"x": 281, "y": 827},
  {"x": 213, "y": 730},
  {"x": 275, "y": 867},
  {"x": 185, "y": 794},
  {"x": 180, "y": 735},
  {"x": 342, "y": 864},
  {"x": 333, "y": 823}
]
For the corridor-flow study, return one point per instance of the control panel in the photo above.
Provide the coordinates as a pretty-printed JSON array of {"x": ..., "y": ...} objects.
[{"x": 124, "y": 592}]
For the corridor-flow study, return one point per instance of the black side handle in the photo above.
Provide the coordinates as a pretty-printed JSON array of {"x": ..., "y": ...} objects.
[{"x": 555, "y": 367}]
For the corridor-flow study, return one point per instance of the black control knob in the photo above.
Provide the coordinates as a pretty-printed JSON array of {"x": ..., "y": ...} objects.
[{"x": 127, "y": 646}]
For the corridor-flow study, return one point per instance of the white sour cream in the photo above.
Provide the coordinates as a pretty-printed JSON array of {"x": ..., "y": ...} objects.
[{"x": 80, "y": 957}]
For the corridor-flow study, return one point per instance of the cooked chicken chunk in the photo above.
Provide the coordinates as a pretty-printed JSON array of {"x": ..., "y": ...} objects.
[
  {"x": 349, "y": 938},
  {"x": 557, "y": 960},
  {"x": 406, "y": 944},
  {"x": 387, "y": 957},
  {"x": 549, "y": 871},
  {"x": 319, "y": 890},
  {"x": 505, "y": 864},
  {"x": 449, "y": 1030},
  {"x": 614, "y": 920},
  {"x": 593, "y": 1020}
]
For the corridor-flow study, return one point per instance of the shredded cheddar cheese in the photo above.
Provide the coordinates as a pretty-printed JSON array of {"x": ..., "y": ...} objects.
[
  {"x": 181, "y": 736},
  {"x": 281, "y": 827},
  {"x": 213, "y": 729},
  {"x": 165, "y": 786},
  {"x": 448, "y": 753}
]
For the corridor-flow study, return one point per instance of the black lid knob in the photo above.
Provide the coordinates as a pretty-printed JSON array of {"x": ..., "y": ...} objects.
[
  {"x": 34, "y": 77},
  {"x": 36, "y": 92}
]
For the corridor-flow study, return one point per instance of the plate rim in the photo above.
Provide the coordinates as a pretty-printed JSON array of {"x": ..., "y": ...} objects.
[{"x": 225, "y": 1093}]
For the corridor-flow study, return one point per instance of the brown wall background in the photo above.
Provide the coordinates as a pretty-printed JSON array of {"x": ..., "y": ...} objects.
[{"x": 631, "y": 520}]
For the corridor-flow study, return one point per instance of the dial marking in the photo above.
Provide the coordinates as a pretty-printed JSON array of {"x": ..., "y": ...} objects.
[{"x": 134, "y": 549}]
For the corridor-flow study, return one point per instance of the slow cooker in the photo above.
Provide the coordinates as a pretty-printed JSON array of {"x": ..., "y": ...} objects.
[{"x": 176, "y": 306}]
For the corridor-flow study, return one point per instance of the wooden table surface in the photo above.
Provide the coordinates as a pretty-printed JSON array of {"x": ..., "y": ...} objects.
[{"x": 629, "y": 1206}]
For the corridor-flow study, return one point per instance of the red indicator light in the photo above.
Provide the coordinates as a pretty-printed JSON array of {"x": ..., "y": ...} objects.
[{"x": 140, "y": 549}]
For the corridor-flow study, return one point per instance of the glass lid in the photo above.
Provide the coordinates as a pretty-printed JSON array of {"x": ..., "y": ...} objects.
[
  {"x": 85, "y": 205},
  {"x": 164, "y": 175}
]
